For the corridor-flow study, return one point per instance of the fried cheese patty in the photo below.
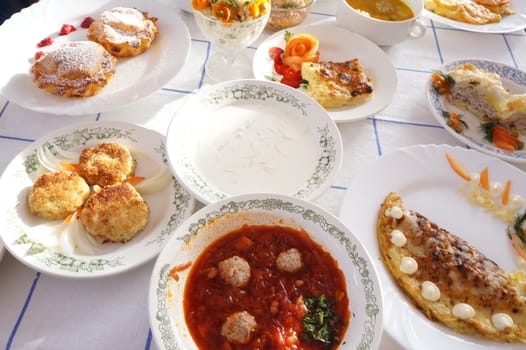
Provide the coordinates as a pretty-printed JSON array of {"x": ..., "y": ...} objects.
[
  {"x": 55, "y": 195},
  {"x": 106, "y": 164},
  {"x": 117, "y": 213}
]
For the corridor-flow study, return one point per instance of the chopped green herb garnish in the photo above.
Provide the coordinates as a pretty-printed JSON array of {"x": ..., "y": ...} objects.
[
  {"x": 448, "y": 78},
  {"x": 321, "y": 322},
  {"x": 517, "y": 227},
  {"x": 487, "y": 129},
  {"x": 287, "y": 35}
]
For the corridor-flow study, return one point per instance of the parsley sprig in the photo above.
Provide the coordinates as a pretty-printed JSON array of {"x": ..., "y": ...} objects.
[
  {"x": 321, "y": 322},
  {"x": 517, "y": 227}
]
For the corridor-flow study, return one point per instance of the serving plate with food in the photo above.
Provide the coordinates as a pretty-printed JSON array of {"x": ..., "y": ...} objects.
[
  {"x": 490, "y": 115},
  {"x": 91, "y": 200},
  {"x": 60, "y": 67},
  {"x": 444, "y": 222},
  {"x": 248, "y": 270},
  {"x": 483, "y": 16},
  {"x": 373, "y": 82},
  {"x": 245, "y": 136}
]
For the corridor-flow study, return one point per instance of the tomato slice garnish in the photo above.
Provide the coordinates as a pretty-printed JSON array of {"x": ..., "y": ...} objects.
[{"x": 275, "y": 52}]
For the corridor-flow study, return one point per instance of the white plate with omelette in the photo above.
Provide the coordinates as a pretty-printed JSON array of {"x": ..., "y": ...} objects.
[
  {"x": 135, "y": 77},
  {"x": 66, "y": 249},
  {"x": 508, "y": 24},
  {"x": 426, "y": 182},
  {"x": 376, "y": 63}
]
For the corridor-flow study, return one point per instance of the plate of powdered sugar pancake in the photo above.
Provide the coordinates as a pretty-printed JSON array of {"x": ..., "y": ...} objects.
[
  {"x": 57, "y": 23},
  {"x": 91, "y": 200}
]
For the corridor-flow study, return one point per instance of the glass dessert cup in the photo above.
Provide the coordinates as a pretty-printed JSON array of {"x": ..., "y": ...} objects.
[{"x": 228, "y": 39}]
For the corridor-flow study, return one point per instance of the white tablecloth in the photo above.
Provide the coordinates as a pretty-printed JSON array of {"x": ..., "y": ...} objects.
[{"x": 38, "y": 311}]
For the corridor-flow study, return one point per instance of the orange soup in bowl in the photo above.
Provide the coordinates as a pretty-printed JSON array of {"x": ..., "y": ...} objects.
[{"x": 387, "y": 10}]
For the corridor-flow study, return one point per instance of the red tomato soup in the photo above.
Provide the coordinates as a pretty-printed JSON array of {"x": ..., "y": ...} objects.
[{"x": 253, "y": 289}]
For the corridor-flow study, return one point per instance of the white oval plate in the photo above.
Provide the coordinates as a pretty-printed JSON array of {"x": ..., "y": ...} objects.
[
  {"x": 427, "y": 184},
  {"x": 512, "y": 79},
  {"x": 23, "y": 233},
  {"x": 251, "y": 135},
  {"x": 135, "y": 77},
  {"x": 165, "y": 295},
  {"x": 506, "y": 25},
  {"x": 376, "y": 62}
]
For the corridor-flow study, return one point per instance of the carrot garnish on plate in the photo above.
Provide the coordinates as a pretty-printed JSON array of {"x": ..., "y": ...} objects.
[
  {"x": 484, "y": 179},
  {"x": 457, "y": 167},
  {"x": 135, "y": 180},
  {"x": 506, "y": 193},
  {"x": 70, "y": 166},
  {"x": 301, "y": 48}
]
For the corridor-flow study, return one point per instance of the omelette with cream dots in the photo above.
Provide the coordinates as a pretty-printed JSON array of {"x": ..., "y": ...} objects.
[{"x": 448, "y": 278}]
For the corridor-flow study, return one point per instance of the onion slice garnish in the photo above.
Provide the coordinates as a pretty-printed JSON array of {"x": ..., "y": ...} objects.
[
  {"x": 51, "y": 161},
  {"x": 155, "y": 182}
]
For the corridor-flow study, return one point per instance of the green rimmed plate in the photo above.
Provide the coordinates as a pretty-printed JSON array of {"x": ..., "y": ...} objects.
[
  {"x": 247, "y": 136},
  {"x": 40, "y": 243},
  {"x": 211, "y": 222}
]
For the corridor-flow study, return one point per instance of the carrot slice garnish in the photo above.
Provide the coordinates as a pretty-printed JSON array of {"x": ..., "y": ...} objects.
[
  {"x": 200, "y": 4},
  {"x": 222, "y": 12},
  {"x": 254, "y": 10},
  {"x": 484, "y": 179},
  {"x": 70, "y": 166},
  {"x": 71, "y": 217},
  {"x": 134, "y": 180},
  {"x": 503, "y": 145},
  {"x": 503, "y": 139},
  {"x": 457, "y": 167},
  {"x": 506, "y": 193},
  {"x": 300, "y": 48},
  {"x": 437, "y": 77}
]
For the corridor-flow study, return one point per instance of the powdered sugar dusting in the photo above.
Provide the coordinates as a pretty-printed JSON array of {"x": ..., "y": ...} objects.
[
  {"x": 81, "y": 57},
  {"x": 123, "y": 16},
  {"x": 124, "y": 25},
  {"x": 75, "y": 65}
]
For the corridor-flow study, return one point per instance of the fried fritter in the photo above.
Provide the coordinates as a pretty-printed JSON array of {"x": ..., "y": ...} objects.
[
  {"x": 116, "y": 214},
  {"x": 55, "y": 195},
  {"x": 106, "y": 164}
]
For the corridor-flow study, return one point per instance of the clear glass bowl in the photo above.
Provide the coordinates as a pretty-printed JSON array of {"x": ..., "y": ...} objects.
[
  {"x": 284, "y": 14},
  {"x": 233, "y": 35}
]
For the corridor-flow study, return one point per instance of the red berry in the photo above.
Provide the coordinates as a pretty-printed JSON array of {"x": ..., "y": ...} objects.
[
  {"x": 86, "y": 22},
  {"x": 45, "y": 42},
  {"x": 38, "y": 54},
  {"x": 66, "y": 29}
]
